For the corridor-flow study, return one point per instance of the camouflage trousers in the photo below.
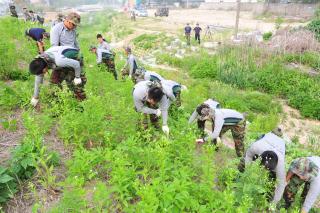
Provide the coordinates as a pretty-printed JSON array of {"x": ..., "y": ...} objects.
[
  {"x": 109, "y": 62},
  {"x": 238, "y": 134},
  {"x": 188, "y": 37},
  {"x": 59, "y": 75},
  {"x": 125, "y": 72},
  {"x": 177, "y": 94},
  {"x": 292, "y": 189}
]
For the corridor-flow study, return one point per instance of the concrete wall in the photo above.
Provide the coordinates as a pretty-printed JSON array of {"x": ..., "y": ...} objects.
[{"x": 301, "y": 10}]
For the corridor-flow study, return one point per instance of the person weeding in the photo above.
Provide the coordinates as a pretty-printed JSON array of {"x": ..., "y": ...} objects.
[
  {"x": 38, "y": 35},
  {"x": 172, "y": 90},
  {"x": 13, "y": 11},
  {"x": 130, "y": 66},
  {"x": 66, "y": 62},
  {"x": 64, "y": 33},
  {"x": 211, "y": 103},
  {"x": 103, "y": 44},
  {"x": 187, "y": 33},
  {"x": 106, "y": 57},
  {"x": 143, "y": 75},
  {"x": 149, "y": 99},
  {"x": 271, "y": 148},
  {"x": 303, "y": 171},
  {"x": 223, "y": 120},
  {"x": 197, "y": 30}
]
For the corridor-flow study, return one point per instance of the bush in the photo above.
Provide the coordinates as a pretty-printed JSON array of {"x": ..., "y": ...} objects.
[
  {"x": 267, "y": 36},
  {"x": 314, "y": 26}
]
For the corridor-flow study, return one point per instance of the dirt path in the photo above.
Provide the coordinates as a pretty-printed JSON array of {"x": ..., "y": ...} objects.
[{"x": 178, "y": 19}]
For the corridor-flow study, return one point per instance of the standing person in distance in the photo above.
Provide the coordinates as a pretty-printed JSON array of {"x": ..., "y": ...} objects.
[
  {"x": 197, "y": 31},
  {"x": 187, "y": 33}
]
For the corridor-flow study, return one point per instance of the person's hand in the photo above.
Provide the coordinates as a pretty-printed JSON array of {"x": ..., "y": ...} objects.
[
  {"x": 129, "y": 76},
  {"x": 77, "y": 81},
  {"x": 199, "y": 141},
  {"x": 158, "y": 113},
  {"x": 34, "y": 101},
  {"x": 166, "y": 130}
]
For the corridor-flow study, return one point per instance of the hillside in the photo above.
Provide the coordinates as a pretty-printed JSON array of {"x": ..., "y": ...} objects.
[{"x": 91, "y": 156}]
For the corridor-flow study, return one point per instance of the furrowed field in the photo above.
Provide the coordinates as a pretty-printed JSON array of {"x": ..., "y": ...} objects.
[{"x": 91, "y": 156}]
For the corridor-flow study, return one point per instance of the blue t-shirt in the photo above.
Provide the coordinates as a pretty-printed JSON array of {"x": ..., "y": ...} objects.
[
  {"x": 36, "y": 33},
  {"x": 187, "y": 29}
]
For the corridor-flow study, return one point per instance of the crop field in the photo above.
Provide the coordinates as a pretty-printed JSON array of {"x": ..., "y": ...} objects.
[{"x": 92, "y": 156}]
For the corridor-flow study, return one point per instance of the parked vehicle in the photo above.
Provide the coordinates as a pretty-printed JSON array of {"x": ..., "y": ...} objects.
[{"x": 162, "y": 11}]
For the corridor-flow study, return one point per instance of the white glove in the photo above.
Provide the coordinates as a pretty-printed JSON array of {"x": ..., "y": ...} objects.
[
  {"x": 219, "y": 140},
  {"x": 34, "y": 101},
  {"x": 165, "y": 129},
  {"x": 200, "y": 141},
  {"x": 158, "y": 113},
  {"x": 77, "y": 81},
  {"x": 129, "y": 76}
]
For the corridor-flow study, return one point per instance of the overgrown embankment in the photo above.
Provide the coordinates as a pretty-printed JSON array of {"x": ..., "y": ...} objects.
[{"x": 116, "y": 167}]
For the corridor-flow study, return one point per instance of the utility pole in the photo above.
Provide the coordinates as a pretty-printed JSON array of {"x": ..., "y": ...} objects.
[{"x": 237, "y": 20}]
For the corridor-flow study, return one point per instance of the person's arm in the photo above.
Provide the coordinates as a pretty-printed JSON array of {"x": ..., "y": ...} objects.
[
  {"x": 313, "y": 194},
  {"x": 140, "y": 107},
  {"x": 250, "y": 153},
  {"x": 67, "y": 62},
  {"x": 131, "y": 65},
  {"x": 40, "y": 46},
  {"x": 193, "y": 117},
  {"x": 289, "y": 176},
  {"x": 281, "y": 181},
  {"x": 76, "y": 43},
  {"x": 218, "y": 124},
  {"x": 99, "y": 56},
  {"x": 164, "y": 106},
  {"x": 37, "y": 82},
  {"x": 55, "y": 35}
]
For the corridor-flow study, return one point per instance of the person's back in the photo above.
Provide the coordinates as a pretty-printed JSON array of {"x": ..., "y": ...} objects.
[{"x": 187, "y": 29}]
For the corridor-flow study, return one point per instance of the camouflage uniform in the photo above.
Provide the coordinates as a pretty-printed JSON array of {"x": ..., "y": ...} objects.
[
  {"x": 60, "y": 74},
  {"x": 307, "y": 170},
  {"x": 108, "y": 60}
]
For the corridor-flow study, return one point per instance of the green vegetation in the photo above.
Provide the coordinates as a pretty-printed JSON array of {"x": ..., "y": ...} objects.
[
  {"x": 149, "y": 41},
  {"x": 249, "y": 68},
  {"x": 267, "y": 36},
  {"x": 314, "y": 25},
  {"x": 115, "y": 167}
]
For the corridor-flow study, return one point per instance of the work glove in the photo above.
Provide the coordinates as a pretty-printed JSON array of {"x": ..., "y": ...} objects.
[
  {"x": 200, "y": 141},
  {"x": 219, "y": 140},
  {"x": 165, "y": 130},
  {"x": 158, "y": 113},
  {"x": 77, "y": 81},
  {"x": 34, "y": 101}
]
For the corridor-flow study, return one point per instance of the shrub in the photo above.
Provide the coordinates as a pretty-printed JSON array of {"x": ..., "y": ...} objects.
[{"x": 267, "y": 36}]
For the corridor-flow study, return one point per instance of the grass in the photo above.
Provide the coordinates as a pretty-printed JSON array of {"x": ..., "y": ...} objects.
[
  {"x": 127, "y": 170},
  {"x": 249, "y": 68}
]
